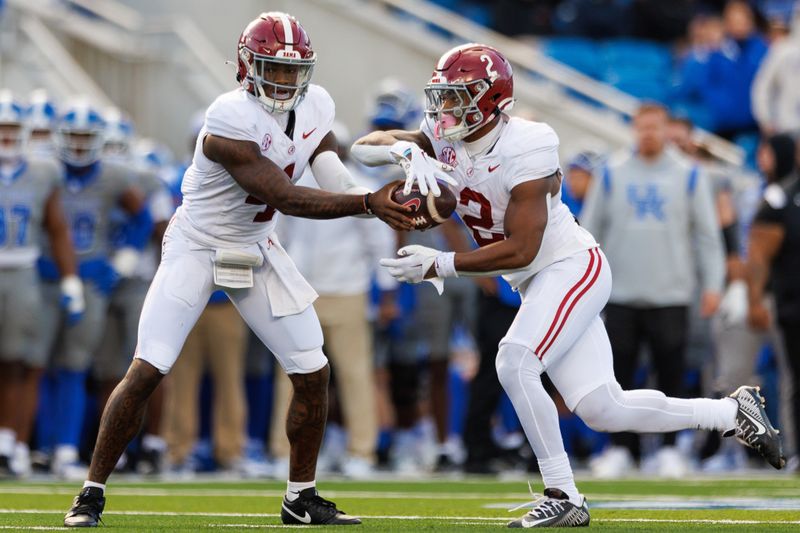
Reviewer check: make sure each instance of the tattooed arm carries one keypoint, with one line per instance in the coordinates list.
(266, 181)
(524, 224)
(765, 242)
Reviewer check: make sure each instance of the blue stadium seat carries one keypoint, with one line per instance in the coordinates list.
(639, 81)
(646, 55)
(578, 53)
(643, 88)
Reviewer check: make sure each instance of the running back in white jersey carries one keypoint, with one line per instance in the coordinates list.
(524, 151)
(216, 211)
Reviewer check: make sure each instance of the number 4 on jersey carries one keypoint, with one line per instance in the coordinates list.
(269, 212)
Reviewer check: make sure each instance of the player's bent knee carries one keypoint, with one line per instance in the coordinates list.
(508, 364)
(601, 410)
(162, 357)
(305, 361)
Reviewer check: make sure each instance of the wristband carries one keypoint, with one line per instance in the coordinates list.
(367, 208)
(446, 265)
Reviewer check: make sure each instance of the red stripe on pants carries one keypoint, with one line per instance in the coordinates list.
(575, 301)
(564, 302)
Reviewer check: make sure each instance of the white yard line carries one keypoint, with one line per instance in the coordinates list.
(698, 521)
(254, 493)
(480, 519)
(245, 493)
(34, 528)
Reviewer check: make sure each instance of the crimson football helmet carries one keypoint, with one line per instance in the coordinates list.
(275, 61)
(471, 84)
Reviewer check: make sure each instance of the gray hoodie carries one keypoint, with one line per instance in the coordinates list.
(649, 217)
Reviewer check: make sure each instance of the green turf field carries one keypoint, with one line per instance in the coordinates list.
(760, 504)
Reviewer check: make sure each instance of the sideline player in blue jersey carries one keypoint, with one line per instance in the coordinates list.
(30, 202)
(92, 188)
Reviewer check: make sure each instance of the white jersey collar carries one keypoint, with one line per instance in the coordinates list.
(481, 146)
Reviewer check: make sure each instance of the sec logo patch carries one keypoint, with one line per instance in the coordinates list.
(266, 142)
(448, 156)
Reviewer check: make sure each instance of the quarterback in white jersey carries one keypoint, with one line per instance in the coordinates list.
(507, 179)
(255, 142)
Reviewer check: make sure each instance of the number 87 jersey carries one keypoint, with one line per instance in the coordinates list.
(522, 151)
(24, 191)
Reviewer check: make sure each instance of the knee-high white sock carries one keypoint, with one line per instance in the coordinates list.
(520, 371)
(715, 414)
(557, 473)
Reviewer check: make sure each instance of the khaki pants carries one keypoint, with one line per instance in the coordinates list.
(738, 346)
(348, 343)
(217, 340)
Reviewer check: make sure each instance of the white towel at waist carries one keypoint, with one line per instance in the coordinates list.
(289, 292)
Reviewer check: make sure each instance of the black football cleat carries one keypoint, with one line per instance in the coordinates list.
(753, 428)
(311, 508)
(87, 508)
(553, 510)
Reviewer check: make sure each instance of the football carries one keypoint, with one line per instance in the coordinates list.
(428, 211)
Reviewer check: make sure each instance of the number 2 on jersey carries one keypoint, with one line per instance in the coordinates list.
(269, 212)
(483, 223)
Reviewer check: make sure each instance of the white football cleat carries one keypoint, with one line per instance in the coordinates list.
(553, 509)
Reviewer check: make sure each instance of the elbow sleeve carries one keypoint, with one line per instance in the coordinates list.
(372, 155)
(333, 176)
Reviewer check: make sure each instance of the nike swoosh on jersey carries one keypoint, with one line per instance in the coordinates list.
(304, 519)
(492, 169)
(306, 135)
(759, 426)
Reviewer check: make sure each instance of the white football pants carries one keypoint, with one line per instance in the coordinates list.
(558, 330)
(180, 291)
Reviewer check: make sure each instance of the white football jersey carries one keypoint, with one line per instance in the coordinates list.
(216, 211)
(524, 151)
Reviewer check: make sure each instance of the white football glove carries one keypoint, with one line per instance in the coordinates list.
(734, 304)
(72, 298)
(420, 168)
(125, 261)
(413, 263)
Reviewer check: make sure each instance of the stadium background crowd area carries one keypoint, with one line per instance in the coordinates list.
(414, 383)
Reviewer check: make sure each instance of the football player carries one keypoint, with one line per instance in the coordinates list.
(92, 189)
(30, 201)
(39, 121)
(256, 141)
(136, 269)
(508, 185)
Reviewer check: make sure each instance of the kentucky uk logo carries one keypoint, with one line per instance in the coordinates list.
(646, 200)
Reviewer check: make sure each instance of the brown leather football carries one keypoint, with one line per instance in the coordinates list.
(428, 211)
